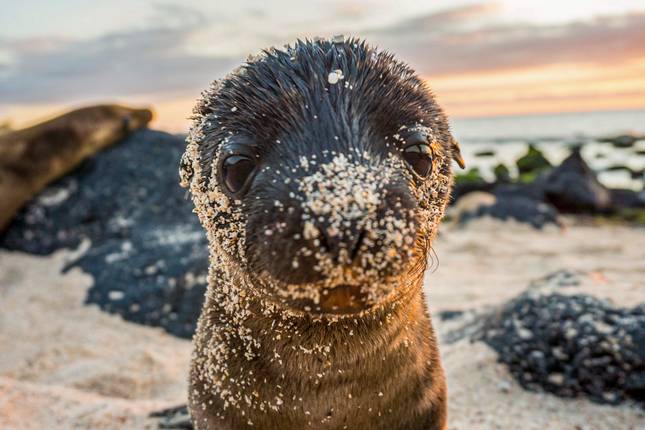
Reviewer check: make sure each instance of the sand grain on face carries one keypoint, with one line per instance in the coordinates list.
(347, 195)
(335, 76)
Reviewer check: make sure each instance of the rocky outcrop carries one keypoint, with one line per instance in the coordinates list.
(627, 199)
(621, 141)
(468, 182)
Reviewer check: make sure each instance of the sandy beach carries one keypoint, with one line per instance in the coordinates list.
(296, 158)
(488, 263)
(68, 365)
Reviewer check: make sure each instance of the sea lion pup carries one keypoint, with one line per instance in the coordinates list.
(320, 172)
(33, 157)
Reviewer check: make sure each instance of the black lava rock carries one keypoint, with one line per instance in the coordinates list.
(468, 182)
(176, 418)
(148, 254)
(531, 190)
(485, 153)
(507, 206)
(521, 209)
(448, 315)
(623, 198)
(572, 345)
(622, 141)
(573, 187)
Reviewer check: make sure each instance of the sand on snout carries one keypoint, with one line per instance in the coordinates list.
(67, 365)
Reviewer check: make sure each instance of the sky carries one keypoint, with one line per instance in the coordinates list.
(508, 57)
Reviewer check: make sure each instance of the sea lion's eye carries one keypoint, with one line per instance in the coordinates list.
(236, 170)
(419, 157)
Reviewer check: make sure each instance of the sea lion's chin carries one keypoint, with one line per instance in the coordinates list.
(343, 299)
(333, 299)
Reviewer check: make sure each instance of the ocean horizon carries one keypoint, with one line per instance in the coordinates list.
(563, 126)
(508, 137)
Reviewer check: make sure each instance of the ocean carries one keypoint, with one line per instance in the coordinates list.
(554, 134)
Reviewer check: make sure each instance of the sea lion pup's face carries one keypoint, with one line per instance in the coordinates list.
(320, 172)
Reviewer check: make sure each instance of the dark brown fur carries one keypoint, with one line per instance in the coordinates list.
(262, 361)
(375, 359)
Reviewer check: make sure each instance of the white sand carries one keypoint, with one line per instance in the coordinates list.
(490, 262)
(67, 365)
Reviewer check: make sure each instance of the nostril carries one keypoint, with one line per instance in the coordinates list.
(353, 252)
(342, 248)
(324, 242)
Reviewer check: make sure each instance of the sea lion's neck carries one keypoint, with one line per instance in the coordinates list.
(257, 358)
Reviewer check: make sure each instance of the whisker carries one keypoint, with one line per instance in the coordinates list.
(434, 259)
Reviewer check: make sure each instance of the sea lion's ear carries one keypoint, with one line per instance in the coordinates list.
(456, 153)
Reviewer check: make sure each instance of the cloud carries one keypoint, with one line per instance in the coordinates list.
(439, 22)
(137, 62)
(444, 43)
(181, 51)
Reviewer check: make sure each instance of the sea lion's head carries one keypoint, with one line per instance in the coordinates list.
(320, 172)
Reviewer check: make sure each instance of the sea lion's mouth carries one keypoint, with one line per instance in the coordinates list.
(331, 299)
(343, 298)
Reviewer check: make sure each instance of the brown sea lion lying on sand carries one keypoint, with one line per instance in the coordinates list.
(33, 157)
(320, 173)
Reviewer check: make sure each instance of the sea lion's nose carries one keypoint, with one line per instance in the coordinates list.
(355, 246)
(342, 246)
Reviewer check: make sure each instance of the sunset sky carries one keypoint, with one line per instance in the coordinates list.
(480, 58)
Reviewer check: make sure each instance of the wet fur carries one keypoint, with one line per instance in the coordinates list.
(377, 369)
(375, 361)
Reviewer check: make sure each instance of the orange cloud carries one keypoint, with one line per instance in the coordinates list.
(555, 88)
